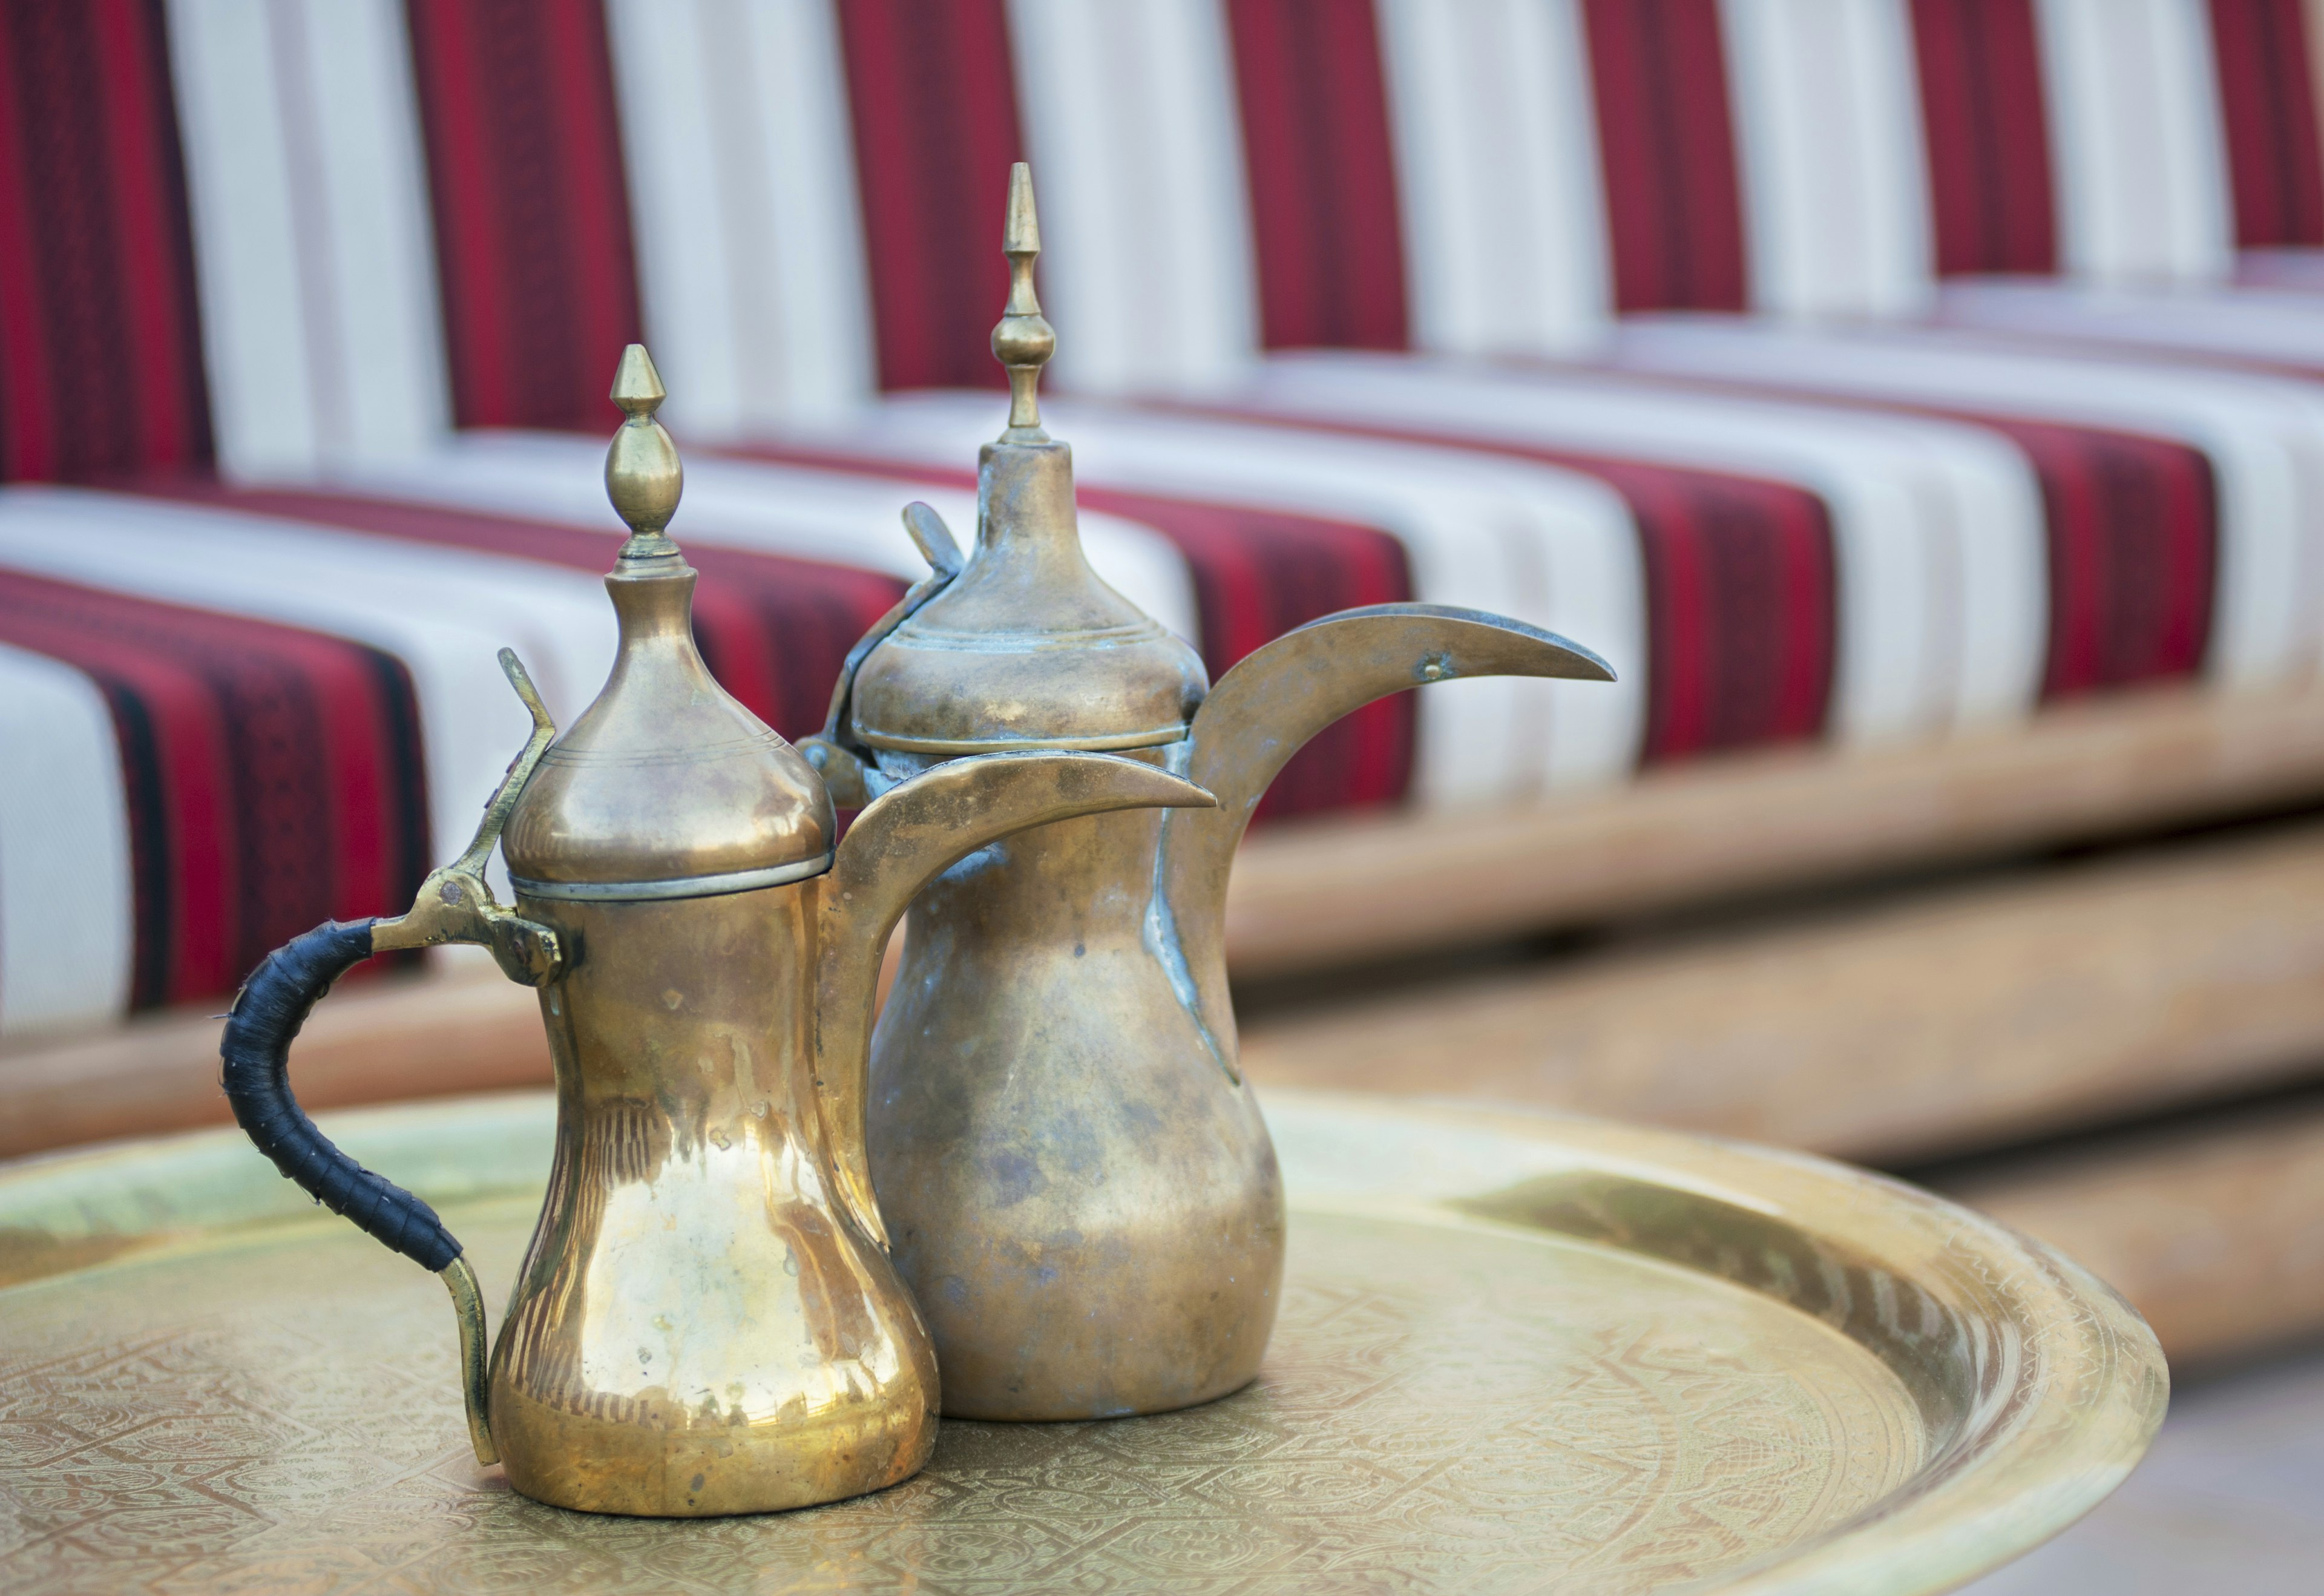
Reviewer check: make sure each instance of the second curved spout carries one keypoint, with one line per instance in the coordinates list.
(1265, 709)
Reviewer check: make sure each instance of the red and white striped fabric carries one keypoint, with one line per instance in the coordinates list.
(1333, 162)
(1806, 137)
(2162, 155)
(321, 303)
(382, 251)
(1745, 169)
(1152, 275)
(732, 121)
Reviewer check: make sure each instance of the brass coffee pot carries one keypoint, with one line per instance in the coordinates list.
(705, 1321)
(1080, 1187)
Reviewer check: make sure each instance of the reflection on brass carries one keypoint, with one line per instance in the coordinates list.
(706, 1322)
(1515, 1353)
(1080, 1188)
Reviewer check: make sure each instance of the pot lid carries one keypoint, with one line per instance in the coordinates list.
(666, 787)
(1027, 647)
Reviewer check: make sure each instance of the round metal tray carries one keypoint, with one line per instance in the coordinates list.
(1515, 1353)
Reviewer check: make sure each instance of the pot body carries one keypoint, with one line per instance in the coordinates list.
(699, 1327)
(1084, 1202)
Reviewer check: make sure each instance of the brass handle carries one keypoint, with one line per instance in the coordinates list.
(255, 1053)
(454, 905)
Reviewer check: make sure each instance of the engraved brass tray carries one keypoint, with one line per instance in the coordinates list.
(1515, 1353)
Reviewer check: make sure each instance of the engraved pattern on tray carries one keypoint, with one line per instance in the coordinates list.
(1445, 1408)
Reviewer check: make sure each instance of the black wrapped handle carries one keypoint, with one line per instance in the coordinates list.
(272, 1005)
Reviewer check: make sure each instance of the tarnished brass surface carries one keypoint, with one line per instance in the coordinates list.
(1081, 1192)
(455, 904)
(664, 786)
(706, 1322)
(1515, 1353)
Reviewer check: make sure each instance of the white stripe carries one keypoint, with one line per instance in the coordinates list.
(1834, 181)
(2257, 324)
(1937, 526)
(1135, 144)
(2135, 134)
(443, 612)
(1497, 167)
(245, 237)
(2265, 437)
(1554, 547)
(315, 264)
(750, 245)
(68, 927)
(392, 388)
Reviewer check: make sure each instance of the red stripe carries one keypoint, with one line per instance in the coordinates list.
(1256, 574)
(100, 362)
(1987, 136)
(1740, 593)
(2131, 523)
(1666, 145)
(933, 100)
(2268, 103)
(533, 216)
(27, 413)
(1321, 171)
(2132, 532)
(774, 629)
(268, 788)
(171, 728)
(149, 227)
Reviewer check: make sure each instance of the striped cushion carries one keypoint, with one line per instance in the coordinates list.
(2128, 142)
(410, 216)
(1119, 82)
(269, 777)
(1689, 252)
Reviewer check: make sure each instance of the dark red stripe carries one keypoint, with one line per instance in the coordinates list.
(100, 348)
(1322, 172)
(1740, 593)
(1666, 145)
(532, 217)
(1741, 606)
(1256, 574)
(273, 775)
(2131, 522)
(774, 631)
(2267, 101)
(933, 100)
(2132, 545)
(1987, 136)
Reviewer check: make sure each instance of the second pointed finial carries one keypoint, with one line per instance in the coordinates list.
(1024, 340)
(643, 477)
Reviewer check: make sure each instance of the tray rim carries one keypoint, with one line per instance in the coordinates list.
(2086, 1383)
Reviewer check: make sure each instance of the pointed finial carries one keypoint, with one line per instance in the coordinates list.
(1023, 342)
(643, 477)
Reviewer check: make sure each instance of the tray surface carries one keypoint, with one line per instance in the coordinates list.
(1514, 1354)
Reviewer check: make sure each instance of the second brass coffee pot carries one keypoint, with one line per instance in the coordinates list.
(705, 1321)
(1078, 1183)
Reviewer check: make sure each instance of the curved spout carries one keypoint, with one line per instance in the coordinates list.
(898, 844)
(1265, 709)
